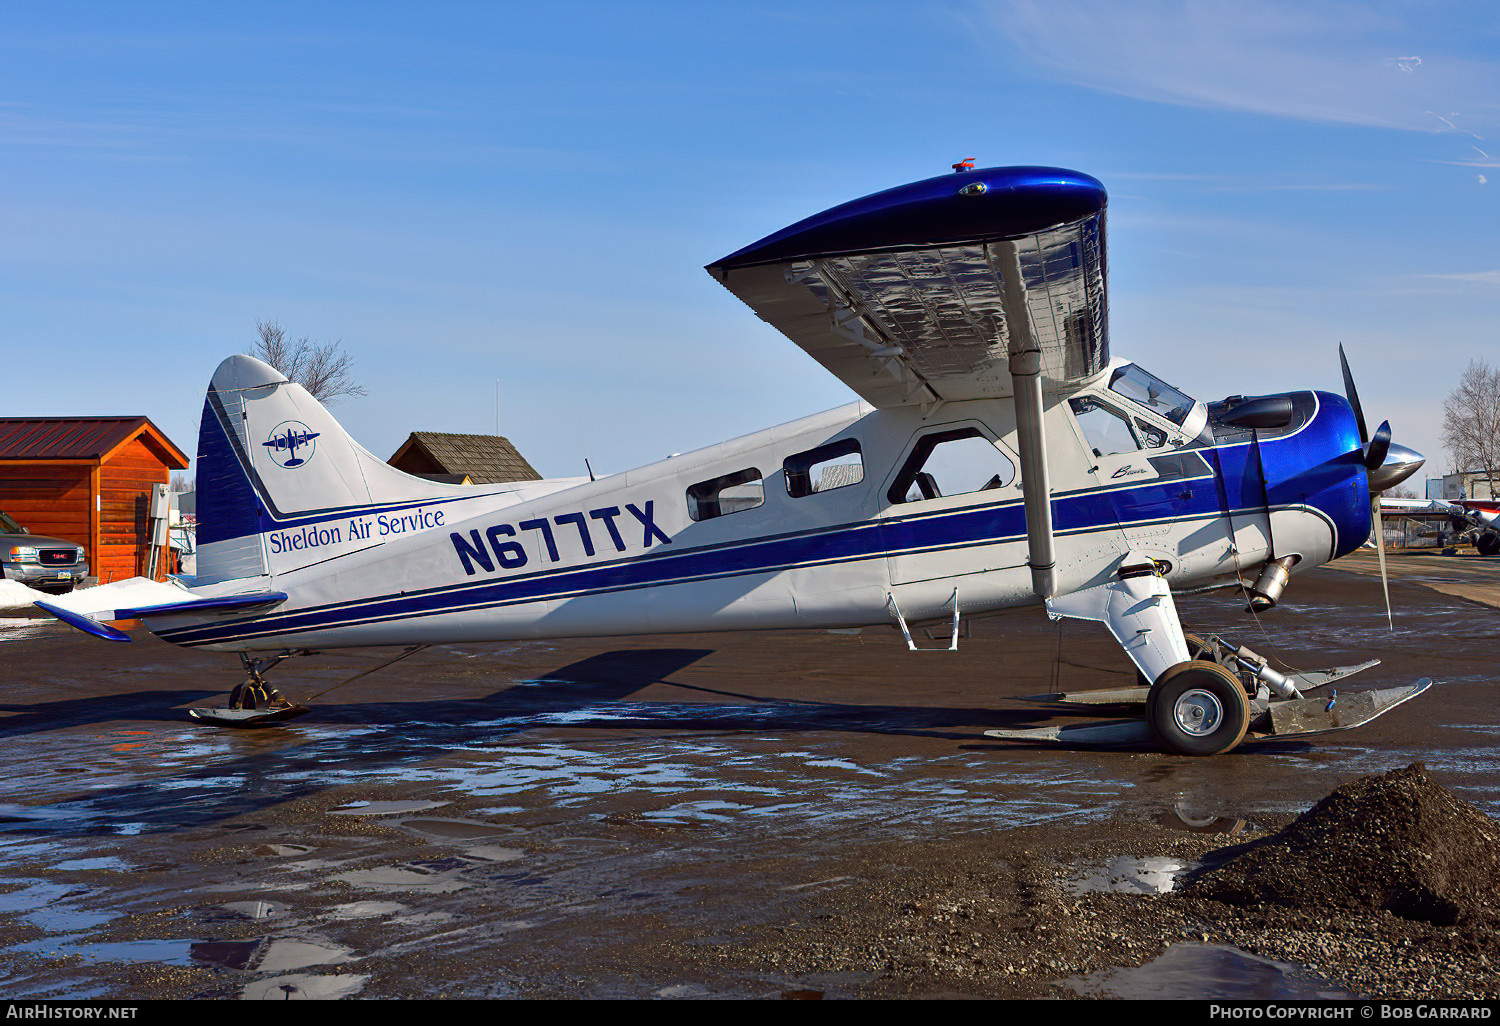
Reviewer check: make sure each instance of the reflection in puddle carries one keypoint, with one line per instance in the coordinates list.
(300, 987)
(366, 909)
(61, 919)
(1198, 972)
(283, 954)
(490, 853)
(262, 954)
(169, 952)
(458, 829)
(404, 878)
(1153, 875)
(226, 954)
(36, 894)
(255, 909)
(1179, 818)
(83, 865)
(383, 808)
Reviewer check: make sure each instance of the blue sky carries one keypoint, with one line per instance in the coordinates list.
(467, 193)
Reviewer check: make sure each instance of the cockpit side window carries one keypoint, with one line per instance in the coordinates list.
(953, 462)
(1152, 393)
(1107, 432)
(1151, 436)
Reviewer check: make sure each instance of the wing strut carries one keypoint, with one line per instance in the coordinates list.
(1026, 372)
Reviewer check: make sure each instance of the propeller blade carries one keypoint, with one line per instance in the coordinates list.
(1353, 396)
(1379, 446)
(1380, 550)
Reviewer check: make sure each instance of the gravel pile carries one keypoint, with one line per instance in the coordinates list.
(1396, 842)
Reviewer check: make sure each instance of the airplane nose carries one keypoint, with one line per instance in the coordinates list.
(1399, 464)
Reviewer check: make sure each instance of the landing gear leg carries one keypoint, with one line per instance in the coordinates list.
(1194, 706)
(255, 692)
(254, 702)
(1202, 696)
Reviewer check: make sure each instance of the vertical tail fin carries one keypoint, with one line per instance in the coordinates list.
(270, 457)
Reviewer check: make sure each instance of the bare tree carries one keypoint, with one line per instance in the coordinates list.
(1471, 422)
(323, 368)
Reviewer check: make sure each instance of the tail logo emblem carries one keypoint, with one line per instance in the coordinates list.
(287, 439)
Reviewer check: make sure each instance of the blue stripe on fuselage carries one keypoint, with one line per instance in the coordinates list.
(1332, 486)
(968, 527)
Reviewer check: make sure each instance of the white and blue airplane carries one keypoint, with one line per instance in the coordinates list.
(997, 456)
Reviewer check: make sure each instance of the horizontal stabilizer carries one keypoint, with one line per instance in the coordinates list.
(83, 623)
(90, 609)
(227, 602)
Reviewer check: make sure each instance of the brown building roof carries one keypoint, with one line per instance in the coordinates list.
(485, 459)
(81, 438)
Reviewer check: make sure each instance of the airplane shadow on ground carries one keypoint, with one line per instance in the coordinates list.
(589, 695)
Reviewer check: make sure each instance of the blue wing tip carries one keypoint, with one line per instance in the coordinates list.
(83, 623)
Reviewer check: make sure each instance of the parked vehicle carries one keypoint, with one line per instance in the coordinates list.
(46, 564)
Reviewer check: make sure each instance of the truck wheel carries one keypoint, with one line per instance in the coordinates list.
(1198, 708)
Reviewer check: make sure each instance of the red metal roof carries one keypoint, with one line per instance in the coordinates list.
(70, 438)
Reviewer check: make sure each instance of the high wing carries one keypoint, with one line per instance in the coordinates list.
(921, 294)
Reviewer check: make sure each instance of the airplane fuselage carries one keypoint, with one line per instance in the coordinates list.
(830, 521)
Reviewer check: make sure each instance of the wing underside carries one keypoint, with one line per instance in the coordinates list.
(914, 296)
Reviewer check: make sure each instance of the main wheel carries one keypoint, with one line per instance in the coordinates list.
(1488, 544)
(1198, 708)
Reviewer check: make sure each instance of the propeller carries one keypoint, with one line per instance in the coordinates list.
(1375, 451)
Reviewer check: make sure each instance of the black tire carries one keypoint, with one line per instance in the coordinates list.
(1488, 544)
(1198, 708)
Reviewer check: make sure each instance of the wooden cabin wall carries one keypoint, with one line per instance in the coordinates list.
(125, 482)
(50, 499)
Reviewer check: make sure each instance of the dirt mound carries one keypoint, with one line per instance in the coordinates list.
(1396, 841)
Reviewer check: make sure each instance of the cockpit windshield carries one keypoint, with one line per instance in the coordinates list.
(1151, 392)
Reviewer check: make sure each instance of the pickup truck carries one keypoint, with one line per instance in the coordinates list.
(46, 564)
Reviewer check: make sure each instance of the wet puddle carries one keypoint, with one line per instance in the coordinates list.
(299, 987)
(541, 823)
(384, 808)
(1199, 972)
(261, 954)
(458, 829)
(1128, 876)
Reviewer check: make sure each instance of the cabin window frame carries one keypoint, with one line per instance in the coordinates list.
(704, 499)
(922, 450)
(797, 468)
(1139, 420)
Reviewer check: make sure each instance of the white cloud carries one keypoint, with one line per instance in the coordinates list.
(1328, 63)
(1477, 277)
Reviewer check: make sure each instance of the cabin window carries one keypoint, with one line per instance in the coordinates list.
(1151, 436)
(1151, 392)
(732, 493)
(952, 462)
(836, 465)
(1108, 433)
